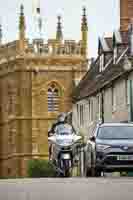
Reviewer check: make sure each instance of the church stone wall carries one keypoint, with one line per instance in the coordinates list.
(27, 69)
(24, 116)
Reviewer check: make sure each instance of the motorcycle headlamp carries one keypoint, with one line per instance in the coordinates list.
(64, 143)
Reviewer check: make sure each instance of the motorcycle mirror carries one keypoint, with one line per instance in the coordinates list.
(51, 139)
(92, 139)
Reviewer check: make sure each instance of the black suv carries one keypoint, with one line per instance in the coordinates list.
(110, 148)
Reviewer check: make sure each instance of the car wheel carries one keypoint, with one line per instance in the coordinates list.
(92, 171)
(97, 172)
(88, 171)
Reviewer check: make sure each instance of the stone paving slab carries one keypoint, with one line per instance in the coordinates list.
(67, 189)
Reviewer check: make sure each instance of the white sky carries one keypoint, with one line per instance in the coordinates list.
(103, 17)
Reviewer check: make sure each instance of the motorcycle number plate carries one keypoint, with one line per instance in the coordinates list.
(66, 156)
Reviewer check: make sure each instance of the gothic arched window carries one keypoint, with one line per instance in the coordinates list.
(53, 98)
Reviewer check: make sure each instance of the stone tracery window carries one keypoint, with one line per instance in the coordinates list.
(53, 98)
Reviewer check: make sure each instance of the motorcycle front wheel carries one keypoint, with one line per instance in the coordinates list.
(67, 168)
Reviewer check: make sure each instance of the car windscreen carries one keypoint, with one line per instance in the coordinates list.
(115, 132)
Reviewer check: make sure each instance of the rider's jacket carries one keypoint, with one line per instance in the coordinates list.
(54, 126)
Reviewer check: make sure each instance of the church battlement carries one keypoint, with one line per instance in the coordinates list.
(42, 48)
(8, 50)
(53, 47)
(57, 46)
(51, 52)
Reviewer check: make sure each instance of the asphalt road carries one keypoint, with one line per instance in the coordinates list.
(67, 189)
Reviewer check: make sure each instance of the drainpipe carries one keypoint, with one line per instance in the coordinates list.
(82, 161)
(102, 106)
(131, 101)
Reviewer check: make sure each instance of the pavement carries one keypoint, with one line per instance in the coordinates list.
(67, 189)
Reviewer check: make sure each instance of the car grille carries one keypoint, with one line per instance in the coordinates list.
(121, 153)
(112, 160)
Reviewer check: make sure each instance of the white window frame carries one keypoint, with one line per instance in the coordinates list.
(91, 114)
(89, 109)
(81, 115)
(78, 114)
(114, 104)
(127, 94)
(99, 106)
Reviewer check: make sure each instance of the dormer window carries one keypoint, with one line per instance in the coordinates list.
(101, 62)
(115, 54)
(117, 40)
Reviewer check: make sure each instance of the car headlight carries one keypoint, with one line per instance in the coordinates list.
(102, 147)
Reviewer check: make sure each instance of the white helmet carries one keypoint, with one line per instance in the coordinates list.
(62, 117)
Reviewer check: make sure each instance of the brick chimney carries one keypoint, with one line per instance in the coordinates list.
(126, 14)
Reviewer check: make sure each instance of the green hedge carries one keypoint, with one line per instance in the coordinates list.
(40, 168)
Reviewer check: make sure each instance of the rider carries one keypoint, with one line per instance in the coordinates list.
(60, 120)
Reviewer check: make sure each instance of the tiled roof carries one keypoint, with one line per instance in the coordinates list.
(94, 80)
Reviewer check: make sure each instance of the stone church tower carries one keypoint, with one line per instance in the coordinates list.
(36, 84)
(126, 13)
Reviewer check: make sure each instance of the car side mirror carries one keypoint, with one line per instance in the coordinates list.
(92, 139)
